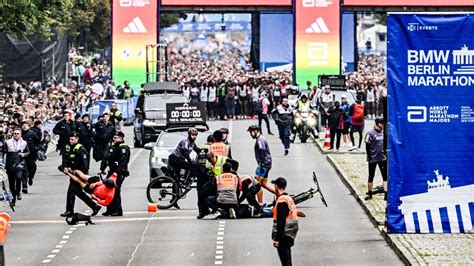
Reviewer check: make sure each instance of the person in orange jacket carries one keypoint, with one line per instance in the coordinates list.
(101, 191)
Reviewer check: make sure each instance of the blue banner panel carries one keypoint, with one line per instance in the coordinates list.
(431, 123)
(209, 26)
(276, 51)
(348, 46)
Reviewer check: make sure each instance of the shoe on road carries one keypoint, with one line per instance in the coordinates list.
(202, 215)
(30, 181)
(116, 214)
(106, 214)
(369, 197)
(25, 190)
(286, 152)
(18, 197)
(66, 214)
(329, 150)
(96, 211)
(300, 214)
(270, 133)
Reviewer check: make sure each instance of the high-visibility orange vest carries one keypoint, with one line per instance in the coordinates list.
(227, 184)
(219, 148)
(242, 178)
(291, 225)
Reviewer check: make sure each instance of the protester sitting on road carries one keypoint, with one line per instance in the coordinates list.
(100, 191)
(227, 186)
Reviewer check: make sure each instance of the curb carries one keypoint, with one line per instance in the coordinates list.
(391, 242)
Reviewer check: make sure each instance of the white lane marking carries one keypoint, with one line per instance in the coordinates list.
(72, 229)
(19, 258)
(65, 237)
(55, 251)
(59, 246)
(219, 259)
(62, 242)
(109, 220)
(69, 232)
(51, 256)
(231, 125)
(192, 254)
(141, 241)
(75, 258)
(46, 261)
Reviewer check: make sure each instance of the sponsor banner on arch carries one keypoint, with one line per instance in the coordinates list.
(431, 123)
(134, 25)
(317, 41)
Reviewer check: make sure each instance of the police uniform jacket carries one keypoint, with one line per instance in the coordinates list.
(76, 157)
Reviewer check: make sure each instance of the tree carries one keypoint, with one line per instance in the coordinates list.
(168, 19)
(381, 18)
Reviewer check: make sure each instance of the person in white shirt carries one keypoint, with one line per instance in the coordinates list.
(211, 100)
(16, 150)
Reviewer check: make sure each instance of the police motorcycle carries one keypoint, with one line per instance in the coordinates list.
(304, 121)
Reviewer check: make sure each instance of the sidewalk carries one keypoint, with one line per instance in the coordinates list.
(415, 249)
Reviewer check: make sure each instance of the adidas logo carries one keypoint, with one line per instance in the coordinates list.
(136, 26)
(319, 26)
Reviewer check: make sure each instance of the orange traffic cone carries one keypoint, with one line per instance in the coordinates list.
(327, 141)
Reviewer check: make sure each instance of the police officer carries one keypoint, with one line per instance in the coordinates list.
(283, 115)
(64, 129)
(117, 160)
(76, 157)
(285, 222)
(86, 132)
(203, 178)
(225, 135)
(104, 130)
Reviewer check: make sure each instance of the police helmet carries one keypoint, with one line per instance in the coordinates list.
(224, 130)
(192, 131)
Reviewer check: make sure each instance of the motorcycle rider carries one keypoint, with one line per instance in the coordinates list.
(283, 116)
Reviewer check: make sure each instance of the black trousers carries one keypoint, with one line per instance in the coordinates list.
(31, 167)
(75, 190)
(284, 253)
(383, 170)
(15, 179)
(251, 197)
(178, 163)
(116, 205)
(203, 187)
(335, 133)
(263, 117)
(214, 205)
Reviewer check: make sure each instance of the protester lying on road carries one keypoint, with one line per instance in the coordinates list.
(100, 191)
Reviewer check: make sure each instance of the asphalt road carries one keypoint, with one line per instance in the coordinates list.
(339, 234)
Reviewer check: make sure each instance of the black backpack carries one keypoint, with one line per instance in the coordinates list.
(259, 106)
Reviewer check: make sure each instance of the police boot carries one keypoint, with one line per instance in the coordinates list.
(369, 195)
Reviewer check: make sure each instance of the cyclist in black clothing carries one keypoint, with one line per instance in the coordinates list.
(180, 157)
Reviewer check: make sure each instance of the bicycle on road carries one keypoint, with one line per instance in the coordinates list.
(5, 194)
(166, 191)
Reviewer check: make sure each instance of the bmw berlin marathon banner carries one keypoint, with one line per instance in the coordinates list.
(431, 123)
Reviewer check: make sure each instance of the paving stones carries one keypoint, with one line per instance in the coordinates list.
(421, 249)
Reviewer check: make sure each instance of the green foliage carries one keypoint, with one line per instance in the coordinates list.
(168, 19)
(47, 17)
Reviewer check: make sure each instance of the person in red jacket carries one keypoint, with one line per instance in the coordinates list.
(101, 191)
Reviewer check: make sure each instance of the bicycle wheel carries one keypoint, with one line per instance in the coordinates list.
(163, 191)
